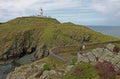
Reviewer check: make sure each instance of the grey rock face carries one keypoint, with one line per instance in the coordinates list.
(91, 57)
(17, 76)
(24, 72)
(118, 66)
(110, 47)
(98, 52)
(53, 72)
(23, 43)
(82, 58)
(47, 74)
(68, 68)
(101, 54)
(42, 51)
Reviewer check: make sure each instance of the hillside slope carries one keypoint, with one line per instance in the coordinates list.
(37, 35)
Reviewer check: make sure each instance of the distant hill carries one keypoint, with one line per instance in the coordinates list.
(32, 34)
(1, 23)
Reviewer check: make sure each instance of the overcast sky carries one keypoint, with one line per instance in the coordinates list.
(86, 12)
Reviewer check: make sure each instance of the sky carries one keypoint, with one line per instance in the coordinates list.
(85, 12)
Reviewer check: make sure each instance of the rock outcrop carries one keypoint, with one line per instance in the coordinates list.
(110, 47)
(101, 54)
(23, 44)
(30, 72)
(47, 74)
(42, 51)
(26, 35)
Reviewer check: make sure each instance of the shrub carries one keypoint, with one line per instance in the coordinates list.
(82, 71)
(106, 70)
(46, 67)
(74, 60)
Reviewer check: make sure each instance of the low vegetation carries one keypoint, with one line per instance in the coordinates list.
(37, 35)
(82, 71)
(106, 70)
(74, 60)
(48, 31)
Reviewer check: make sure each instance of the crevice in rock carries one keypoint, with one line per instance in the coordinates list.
(23, 44)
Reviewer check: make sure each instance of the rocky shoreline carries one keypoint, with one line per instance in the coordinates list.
(93, 56)
(9, 66)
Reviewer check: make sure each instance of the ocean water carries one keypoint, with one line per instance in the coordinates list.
(7, 68)
(108, 30)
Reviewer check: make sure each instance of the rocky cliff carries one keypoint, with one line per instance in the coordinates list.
(52, 68)
(100, 55)
(37, 35)
(23, 43)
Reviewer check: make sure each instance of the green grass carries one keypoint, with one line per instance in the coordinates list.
(46, 67)
(50, 32)
(82, 71)
(74, 60)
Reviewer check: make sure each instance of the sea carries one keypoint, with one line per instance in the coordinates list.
(108, 30)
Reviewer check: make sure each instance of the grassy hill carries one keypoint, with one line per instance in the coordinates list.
(45, 31)
(37, 35)
(17, 27)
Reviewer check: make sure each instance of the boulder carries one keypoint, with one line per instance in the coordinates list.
(68, 68)
(33, 75)
(40, 66)
(82, 58)
(42, 51)
(17, 76)
(25, 71)
(53, 72)
(91, 57)
(110, 47)
(98, 52)
(108, 52)
(117, 67)
(108, 55)
(47, 74)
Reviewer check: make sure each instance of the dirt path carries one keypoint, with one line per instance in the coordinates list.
(55, 51)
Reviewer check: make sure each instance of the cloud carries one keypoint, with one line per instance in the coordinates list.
(99, 10)
(26, 7)
(16, 5)
(60, 4)
(109, 7)
(21, 5)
